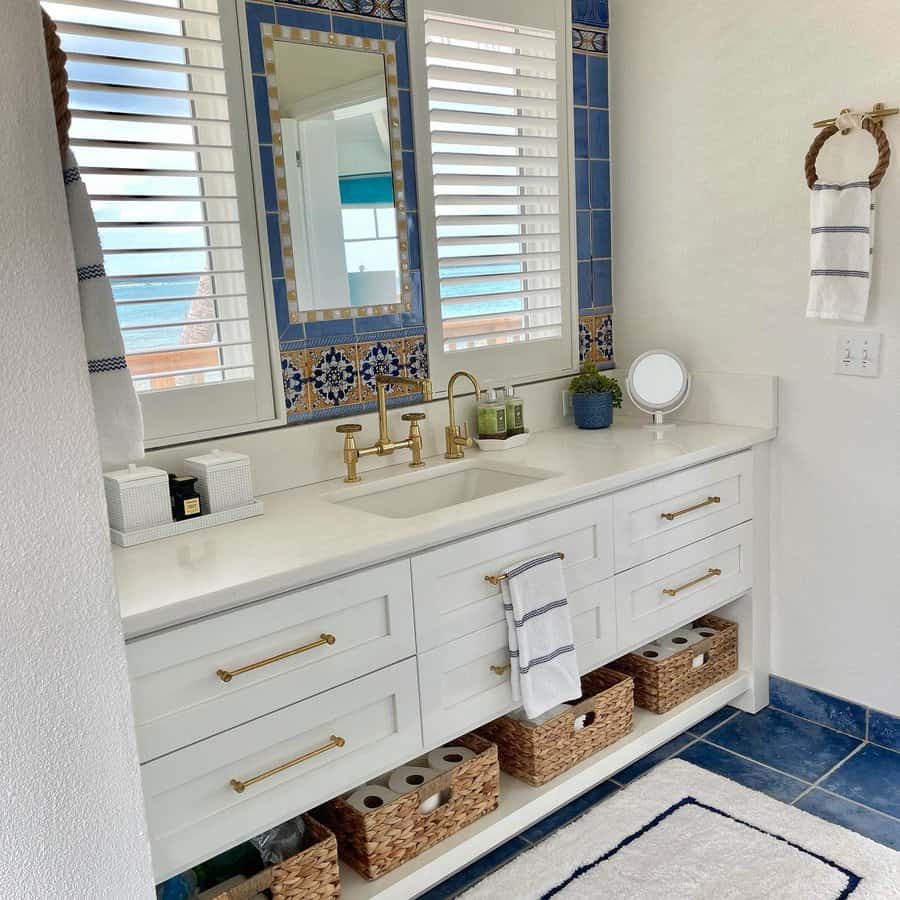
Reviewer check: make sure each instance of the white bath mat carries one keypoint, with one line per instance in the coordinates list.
(682, 833)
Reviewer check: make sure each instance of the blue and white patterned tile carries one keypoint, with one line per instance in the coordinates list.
(598, 81)
(598, 133)
(750, 774)
(600, 190)
(379, 358)
(296, 384)
(714, 721)
(467, 877)
(591, 12)
(571, 811)
(393, 10)
(654, 758)
(579, 79)
(585, 337)
(870, 777)
(415, 357)
(603, 338)
(884, 729)
(784, 742)
(601, 282)
(817, 706)
(334, 376)
(873, 825)
(601, 234)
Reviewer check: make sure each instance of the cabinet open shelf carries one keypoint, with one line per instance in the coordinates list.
(522, 805)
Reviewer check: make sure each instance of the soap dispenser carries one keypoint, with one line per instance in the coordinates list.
(515, 412)
(491, 416)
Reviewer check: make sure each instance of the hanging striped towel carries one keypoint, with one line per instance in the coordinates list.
(116, 406)
(544, 669)
(842, 217)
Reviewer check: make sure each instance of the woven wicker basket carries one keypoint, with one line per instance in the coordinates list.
(661, 685)
(310, 875)
(538, 753)
(376, 842)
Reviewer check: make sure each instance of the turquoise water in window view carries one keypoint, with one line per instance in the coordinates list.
(468, 289)
(153, 313)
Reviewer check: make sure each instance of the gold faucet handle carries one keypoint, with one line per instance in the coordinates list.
(350, 428)
(412, 417)
(351, 452)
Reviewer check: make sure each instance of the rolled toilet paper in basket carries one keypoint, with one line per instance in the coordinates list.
(681, 639)
(445, 758)
(654, 651)
(704, 630)
(371, 796)
(411, 778)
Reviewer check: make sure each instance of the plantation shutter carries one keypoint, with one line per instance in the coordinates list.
(154, 136)
(495, 120)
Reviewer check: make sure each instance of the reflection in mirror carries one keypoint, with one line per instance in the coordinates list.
(337, 133)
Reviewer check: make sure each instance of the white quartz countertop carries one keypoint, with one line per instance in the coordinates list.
(304, 537)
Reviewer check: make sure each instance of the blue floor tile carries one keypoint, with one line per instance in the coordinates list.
(646, 763)
(870, 777)
(567, 813)
(465, 878)
(756, 777)
(884, 730)
(817, 707)
(713, 721)
(871, 824)
(785, 742)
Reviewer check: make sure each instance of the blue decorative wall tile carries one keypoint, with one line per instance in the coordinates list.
(380, 358)
(601, 282)
(579, 79)
(585, 339)
(370, 28)
(583, 234)
(598, 81)
(393, 10)
(584, 285)
(598, 133)
(591, 12)
(281, 314)
(582, 184)
(415, 318)
(884, 729)
(274, 234)
(397, 34)
(296, 384)
(256, 13)
(366, 325)
(330, 329)
(589, 40)
(261, 101)
(406, 121)
(600, 198)
(601, 237)
(412, 232)
(292, 17)
(817, 707)
(581, 132)
(410, 187)
(267, 167)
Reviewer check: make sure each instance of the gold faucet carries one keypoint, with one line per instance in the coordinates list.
(456, 441)
(384, 446)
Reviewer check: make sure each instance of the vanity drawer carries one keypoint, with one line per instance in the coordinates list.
(453, 599)
(460, 690)
(194, 812)
(644, 610)
(179, 697)
(700, 501)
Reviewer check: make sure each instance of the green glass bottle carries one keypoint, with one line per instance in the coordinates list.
(491, 416)
(515, 412)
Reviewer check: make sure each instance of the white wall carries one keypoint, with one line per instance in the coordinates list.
(712, 105)
(72, 820)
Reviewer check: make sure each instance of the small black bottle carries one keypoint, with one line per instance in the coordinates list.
(185, 499)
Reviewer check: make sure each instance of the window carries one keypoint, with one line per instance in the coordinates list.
(494, 134)
(162, 147)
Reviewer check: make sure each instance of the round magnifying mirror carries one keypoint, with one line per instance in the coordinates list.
(658, 383)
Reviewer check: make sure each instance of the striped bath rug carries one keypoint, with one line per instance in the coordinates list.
(682, 833)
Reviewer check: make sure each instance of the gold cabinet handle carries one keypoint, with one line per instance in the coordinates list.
(501, 670)
(707, 502)
(226, 675)
(710, 573)
(240, 786)
(496, 579)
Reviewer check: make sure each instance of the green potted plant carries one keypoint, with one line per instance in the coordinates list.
(593, 397)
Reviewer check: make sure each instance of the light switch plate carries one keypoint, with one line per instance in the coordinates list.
(858, 353)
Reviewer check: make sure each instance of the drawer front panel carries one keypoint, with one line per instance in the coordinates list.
(179, 698)
(460, 691)
(453, 599)
(643, 608)
(642, 531)
(193, 812)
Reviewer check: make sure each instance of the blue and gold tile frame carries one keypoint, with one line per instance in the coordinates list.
(590, 85)
(327, 364)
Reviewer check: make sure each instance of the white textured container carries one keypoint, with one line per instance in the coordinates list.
(223, 480)
(137, 498)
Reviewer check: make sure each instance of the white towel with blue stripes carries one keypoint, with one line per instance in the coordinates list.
(117, 411)
(842, 218)
(544, 668)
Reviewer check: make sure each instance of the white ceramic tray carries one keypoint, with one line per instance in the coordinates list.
(170, 529)
(510, 443)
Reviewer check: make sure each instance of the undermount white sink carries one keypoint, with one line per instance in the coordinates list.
(423, 492)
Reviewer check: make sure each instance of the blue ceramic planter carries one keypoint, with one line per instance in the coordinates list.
(593, 410)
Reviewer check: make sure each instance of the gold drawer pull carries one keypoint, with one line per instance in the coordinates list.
(240, 786)
(496, 579)
(226, 676)
(710, 573)
(707, 502)
(501, 670)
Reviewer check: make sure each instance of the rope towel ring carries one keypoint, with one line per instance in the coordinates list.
(877, 132)
(56, 63)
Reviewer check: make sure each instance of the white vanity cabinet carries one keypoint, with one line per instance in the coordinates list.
(358, 674)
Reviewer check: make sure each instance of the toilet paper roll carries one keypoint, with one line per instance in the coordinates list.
(680, 639)
(655, 652)
(704, 630)
(371, 796)
(445, 758)
(410, 778)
